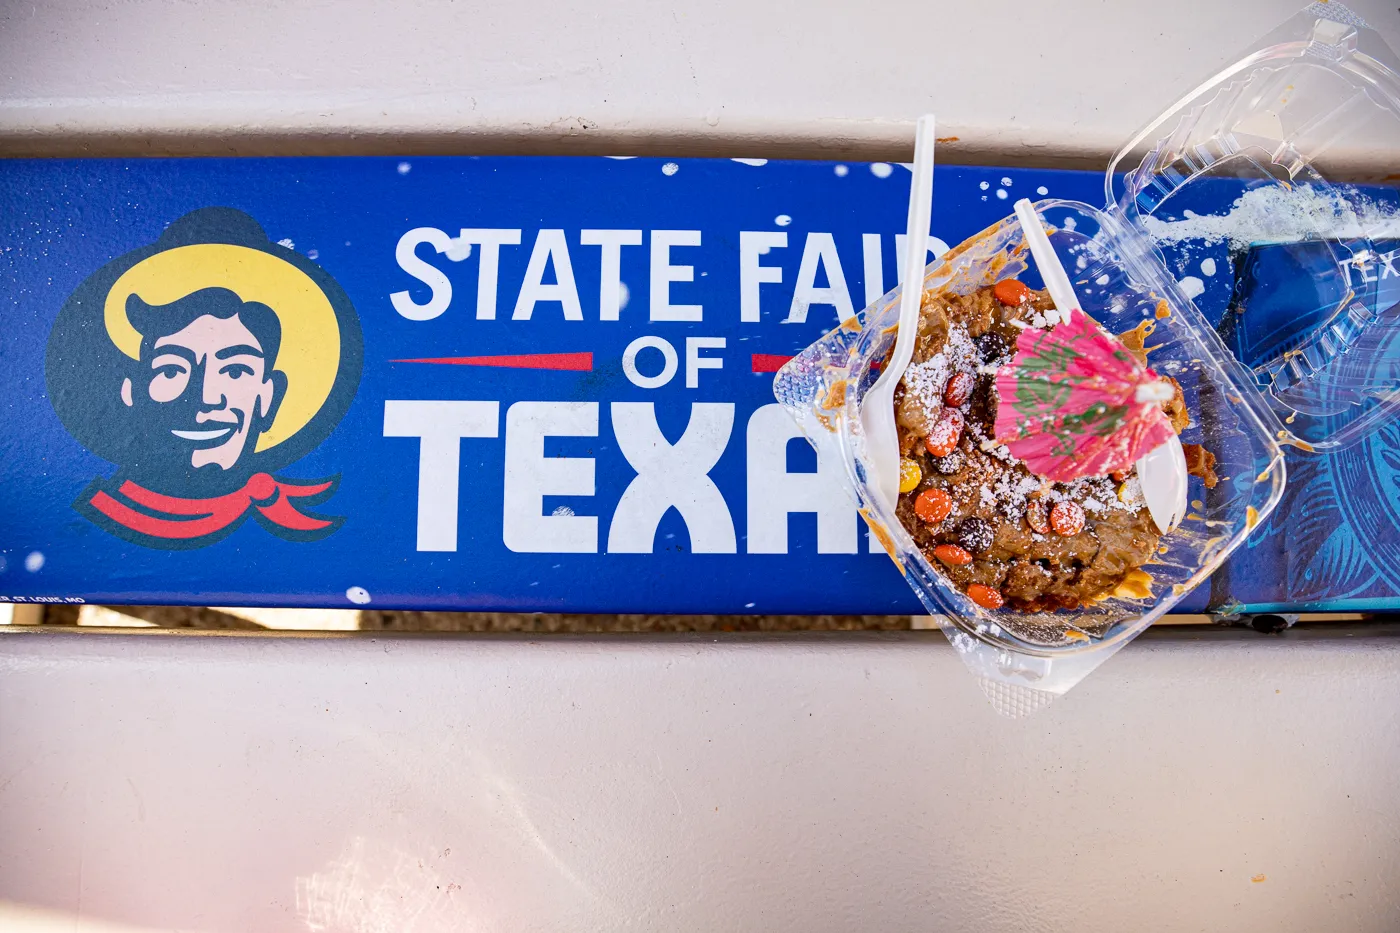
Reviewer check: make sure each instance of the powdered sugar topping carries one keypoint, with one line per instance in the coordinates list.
(927, 380)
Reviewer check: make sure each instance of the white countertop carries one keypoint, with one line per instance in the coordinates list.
(232, 783)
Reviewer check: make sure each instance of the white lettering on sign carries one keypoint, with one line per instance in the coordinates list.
(1359, 266)
(774, 493)
(820, 260)
(439, 427)
(694, 362)
(663, 273)
(668, 476)
(874, 266)
(530, 476)
(610, 266)
(550, 247)
(406, 253)
(668, 367)
(820, 250)
(935, 246)
(672, 476)
(488, 266)
(752, 273)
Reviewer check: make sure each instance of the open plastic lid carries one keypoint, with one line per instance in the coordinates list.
(1293, 134)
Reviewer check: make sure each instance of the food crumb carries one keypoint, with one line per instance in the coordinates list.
(1258, 878)
(1137, 584)
(1201, 462)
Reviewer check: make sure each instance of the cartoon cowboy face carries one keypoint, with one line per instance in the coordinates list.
(204, 387)
(201, 365)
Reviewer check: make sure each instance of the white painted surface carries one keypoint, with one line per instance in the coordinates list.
(230, 783)
(726, 76)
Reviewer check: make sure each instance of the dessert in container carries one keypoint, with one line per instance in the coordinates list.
(1315, 99)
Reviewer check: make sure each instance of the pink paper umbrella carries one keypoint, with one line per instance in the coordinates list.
(1074, 402)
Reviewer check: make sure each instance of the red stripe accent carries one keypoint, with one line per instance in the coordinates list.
(579, 362)
(769, 362)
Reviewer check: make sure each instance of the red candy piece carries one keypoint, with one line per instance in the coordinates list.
(1067, 518)
(1037, 516)
(952, 554)
(959, 387)
(946, 433)
(1011, 292)
(933, 505)
(985, 596)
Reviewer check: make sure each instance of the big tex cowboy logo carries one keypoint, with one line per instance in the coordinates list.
(201, 365)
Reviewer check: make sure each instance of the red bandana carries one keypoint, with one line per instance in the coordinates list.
(177, 519)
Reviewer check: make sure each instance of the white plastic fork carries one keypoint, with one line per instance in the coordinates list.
(877, 407)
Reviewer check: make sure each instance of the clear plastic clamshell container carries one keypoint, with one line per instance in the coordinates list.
(1321, 93)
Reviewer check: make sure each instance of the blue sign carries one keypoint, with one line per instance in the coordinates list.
(447, 383)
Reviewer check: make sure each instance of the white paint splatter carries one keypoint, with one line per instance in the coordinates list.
(313, 254)
(1069, 223)
(782, 220)
(357, 595)
(984, 185)
(881, 169)
(1001, 194)
(562, 510)
(34, 562)
(1042, 191)
(750, 605)
(750, 161)
(287, 242)
(460, 249)
(841, 171)
(670, 168)
(1192, 286)
(1276, 215)
(1102, 280)
(405, 168)
(1005, 182)
(1208, 266)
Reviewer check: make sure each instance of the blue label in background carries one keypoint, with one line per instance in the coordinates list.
(530, 384)
(1330, 544)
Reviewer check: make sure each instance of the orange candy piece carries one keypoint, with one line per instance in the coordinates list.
(1037, 516)
(952, 555)
(933, 505)
(1011, 292)
(946, 433)
(1067, 518)
(985, 596)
